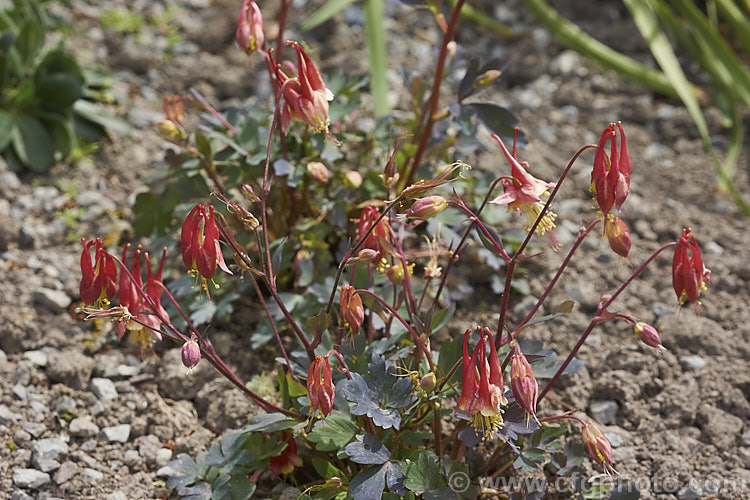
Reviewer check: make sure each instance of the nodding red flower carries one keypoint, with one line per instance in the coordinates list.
(598, 446)
(201, 251)
(482, 400)
(249, 33)
(306, 95)
(610, 178)
(689, 275)
(369, 216)
(352, 311)
(288, 459)
(320, 387)
(98, 279)
(522, 383)
(618, 235)
(524, 192)
(145, 325)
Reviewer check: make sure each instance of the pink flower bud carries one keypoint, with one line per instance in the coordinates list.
(249, 33)
(522, 382)
(618, 235)
(649, 335)
(191, 353)
(426, 207)
(367, 255)
(318, 172)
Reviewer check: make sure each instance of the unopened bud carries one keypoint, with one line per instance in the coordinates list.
(618, 235)
(649, 335)
(427, 382)
(487, 78)
(191, 353)
(247, 191)
(522, 382)
(426, 207)
(352, 179)
(367, 255)
(249, 33)
(170, 131)
(318, 172)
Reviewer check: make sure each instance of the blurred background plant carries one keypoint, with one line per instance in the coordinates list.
(714, 34)
(49, 104)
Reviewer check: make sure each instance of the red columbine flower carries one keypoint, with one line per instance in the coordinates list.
(523, 192)
(352, 311)
(201, 251)
(288, 460)
(146, 329)
(618, 235)
(522, 383)
(249, 33)
(306, 96)
(482, 400)
(98, 280)
(597, 446)
(610, 178)
(689, 276)
(320, 387)
(370, 214)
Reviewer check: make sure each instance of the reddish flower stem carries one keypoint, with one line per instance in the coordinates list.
(512, 263)
(434, 95)
(595, 320)
(414, 334)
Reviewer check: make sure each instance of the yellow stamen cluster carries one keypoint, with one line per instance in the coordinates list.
(486, 425)
(532, 211)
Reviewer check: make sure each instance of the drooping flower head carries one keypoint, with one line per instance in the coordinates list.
(369, 217)
(482, 395)
(617, 234)
(610, 178)
(320, 387)
(689, 275)
(190, 353)
(352, 311)
(598, 446)
(98, 279)
(524, 192)
(201, 252)
(306, 95)
(145, 325)
(249, 33)
(648, 334)
(522, 383)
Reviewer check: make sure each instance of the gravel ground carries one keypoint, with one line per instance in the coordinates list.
(84, 418)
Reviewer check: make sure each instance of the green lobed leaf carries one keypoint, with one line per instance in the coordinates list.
(97, 114)
(496, 118)
(423, 474)
(368, 484)
(333, 433)
(327, 470)
(529, 460)
(270, 422)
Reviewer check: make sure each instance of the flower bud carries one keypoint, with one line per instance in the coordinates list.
(427, 382)
(395, 274)
(170, 131)
(191, 353)
(618, 235)
(522, 382)
(318, 172)
(352, 179)
(649, 335)
(426, 207)
(352, 311)
(249, 33)
(597, 446)
(367, 255)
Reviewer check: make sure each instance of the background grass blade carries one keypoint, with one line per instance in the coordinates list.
(375, 30)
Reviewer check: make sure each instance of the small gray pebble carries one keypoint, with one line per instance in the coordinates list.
(692, 362)
(89, 445)
(66, 471)
(115, 434)
(603, 411)
(104, 389)
(92, 476)
(36, 429)
(54, 300)
(30, 478)
(21, 495)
